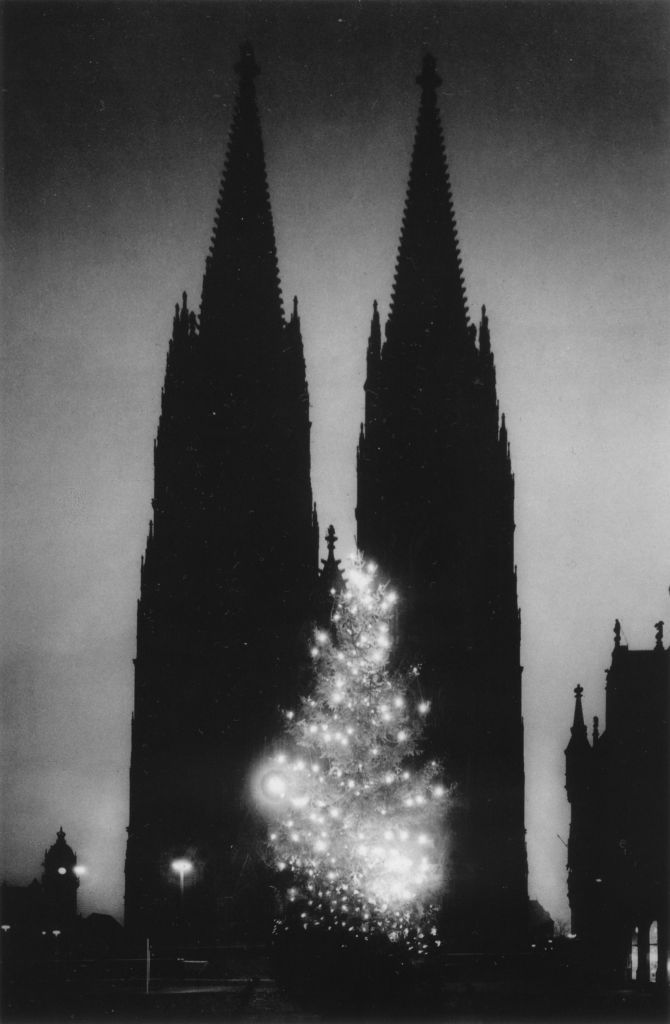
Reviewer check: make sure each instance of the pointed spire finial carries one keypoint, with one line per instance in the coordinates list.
(596, 729)
(374, 341)
(429, 80)
(60, 834)
(484, 336)
(578, 725)
(658, 626)
(332, 580)
(246, 67)
(617, 633)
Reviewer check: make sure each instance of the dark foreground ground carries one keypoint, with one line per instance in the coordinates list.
(250, 985)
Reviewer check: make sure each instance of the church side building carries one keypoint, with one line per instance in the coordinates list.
(436, 512)
(618, 849)
(230, 567)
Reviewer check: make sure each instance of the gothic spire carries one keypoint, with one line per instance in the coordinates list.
(375, 339)
(330, 583)
(241, 294)
(484, 334)
(578, 731)
(428, 284)
(372, 381)
(331, 574)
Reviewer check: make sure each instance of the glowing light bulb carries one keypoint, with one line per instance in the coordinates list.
(273, 785)
(424, 707)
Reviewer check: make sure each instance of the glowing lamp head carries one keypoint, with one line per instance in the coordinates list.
(182, 866)
(62, 871)
(273, 786)
(80, 870)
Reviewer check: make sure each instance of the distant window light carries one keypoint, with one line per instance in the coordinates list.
(633, 956)
(653, 951)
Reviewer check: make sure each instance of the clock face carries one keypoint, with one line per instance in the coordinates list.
(62, 871)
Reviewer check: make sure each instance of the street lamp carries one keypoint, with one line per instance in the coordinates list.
(182, 867)
(80, 870)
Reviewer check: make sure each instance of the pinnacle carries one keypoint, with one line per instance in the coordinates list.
(246, 67)
(428, 273)
(429, 80)
(241, 286)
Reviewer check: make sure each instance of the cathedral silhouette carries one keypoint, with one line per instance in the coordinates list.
(231, 586)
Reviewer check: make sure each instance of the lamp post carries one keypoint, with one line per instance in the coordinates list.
(182, 867)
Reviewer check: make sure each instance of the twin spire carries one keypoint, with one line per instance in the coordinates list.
(242, 264)
(241, 283)
(428, 284)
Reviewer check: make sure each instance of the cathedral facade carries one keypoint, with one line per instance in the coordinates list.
(230, 581)
(436, 511)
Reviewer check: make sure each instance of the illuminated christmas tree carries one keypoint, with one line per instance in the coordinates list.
(356, 821)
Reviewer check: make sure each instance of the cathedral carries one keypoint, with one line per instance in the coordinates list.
(230, 583)
(617, 786)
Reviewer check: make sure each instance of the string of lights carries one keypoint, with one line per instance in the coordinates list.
(356, 825)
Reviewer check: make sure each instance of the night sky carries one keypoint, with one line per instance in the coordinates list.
(115, 121)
